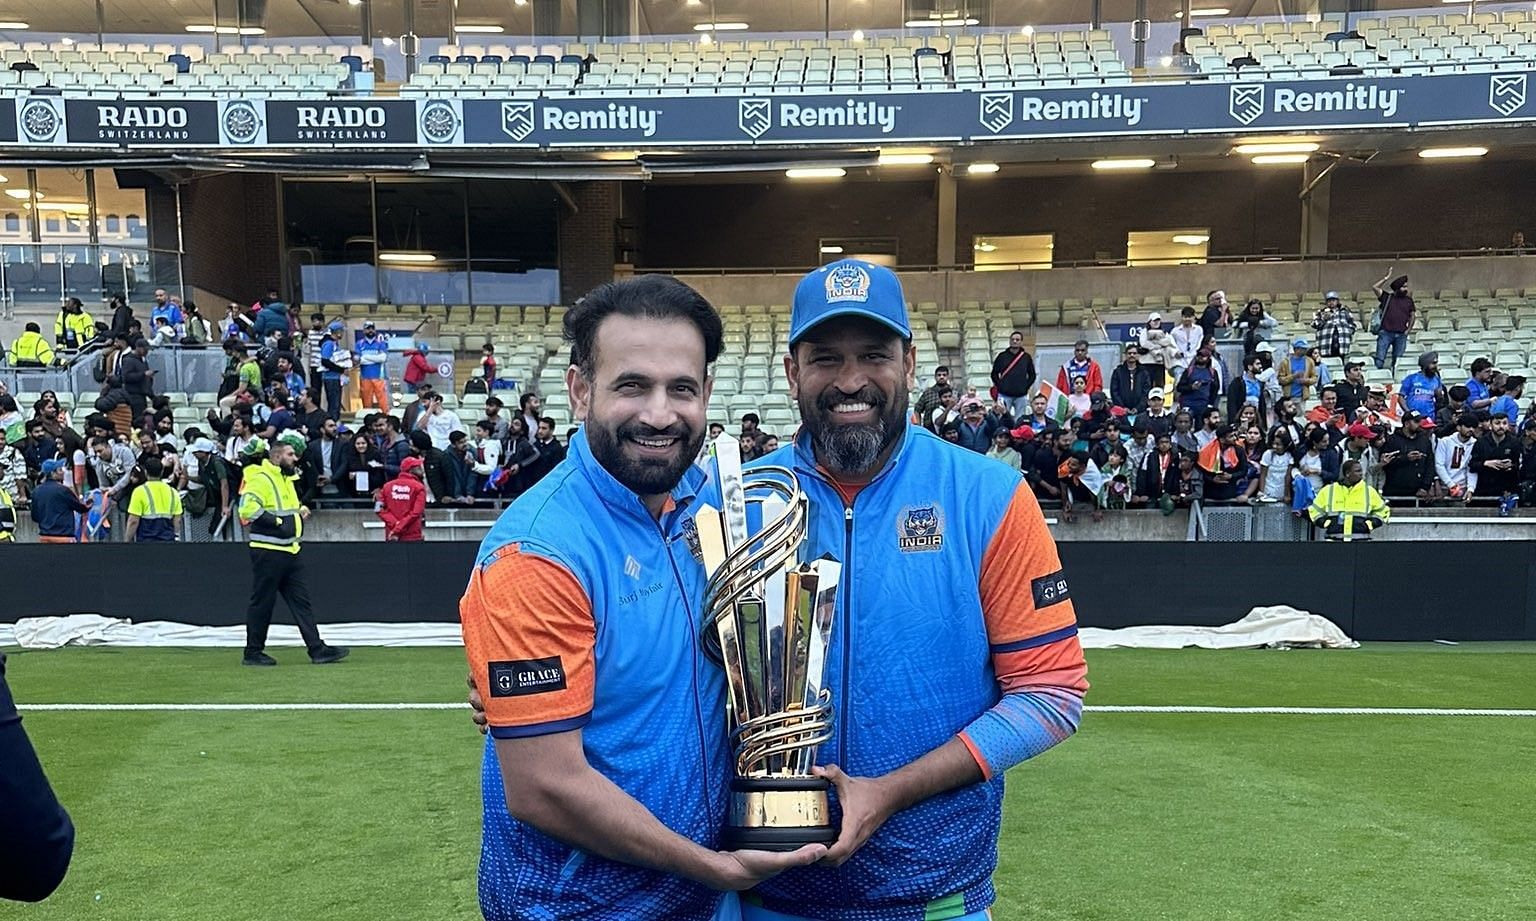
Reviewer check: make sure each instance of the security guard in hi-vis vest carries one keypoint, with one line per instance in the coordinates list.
(7, 518)
(271, 513)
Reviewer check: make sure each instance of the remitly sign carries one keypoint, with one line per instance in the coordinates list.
(323, 122)
(143, 122)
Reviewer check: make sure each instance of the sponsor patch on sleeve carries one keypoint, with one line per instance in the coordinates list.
(1050, 589)
(527, 676)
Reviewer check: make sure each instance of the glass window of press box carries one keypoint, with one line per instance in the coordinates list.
(506, 27)
(77, 233)
(410, 241)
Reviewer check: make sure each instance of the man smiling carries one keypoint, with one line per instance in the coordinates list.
(605, 777)
(955, 652)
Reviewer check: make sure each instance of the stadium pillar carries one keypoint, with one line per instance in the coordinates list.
(1316, 183)
(588, 236)
(948, 247)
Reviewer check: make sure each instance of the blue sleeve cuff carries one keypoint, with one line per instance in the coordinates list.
(1024, 724)
(541, 729)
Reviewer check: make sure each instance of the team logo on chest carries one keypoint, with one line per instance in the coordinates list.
(920, 528)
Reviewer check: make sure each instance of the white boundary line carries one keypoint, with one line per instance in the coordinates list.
(1239, 711)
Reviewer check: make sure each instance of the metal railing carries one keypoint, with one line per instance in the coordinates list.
(46, 273)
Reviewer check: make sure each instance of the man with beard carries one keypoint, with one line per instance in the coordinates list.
(272, 515)
(981, 593)
(606, 771)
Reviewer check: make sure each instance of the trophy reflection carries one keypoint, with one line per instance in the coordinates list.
(770, 623)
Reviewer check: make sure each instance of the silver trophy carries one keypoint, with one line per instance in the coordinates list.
(770, 623)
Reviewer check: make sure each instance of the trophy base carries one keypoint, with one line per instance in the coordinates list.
(778, 814)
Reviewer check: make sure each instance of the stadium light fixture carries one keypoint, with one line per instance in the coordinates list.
(858, 35)
(1451, 153)
(904, 159)
(3, 180)
(705, 39)
(13, 26)
(407, 257)
(1294, 159)
(1277, 147)
(1211, 11)
(1125, 163)
(1192, 239)
(982, 246)
(815, 172)
(21, 194)
(982, 169)
(205, 29)
(354, 2)
(832, 250)
(479, 30)
(387, 42)
(939, 23)
(721, 27)
(1027, 30)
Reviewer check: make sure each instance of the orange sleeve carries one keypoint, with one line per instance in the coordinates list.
(529, 636)
(1027, 603)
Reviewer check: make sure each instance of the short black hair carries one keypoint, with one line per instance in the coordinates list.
(1347, 466)
(486, 424)
(1222, 431)
(34, 328)
(1468, 420)
(1190, 311)
(1329, 388)
(421, 441)
(549, 421)
(1479, 366)
(1460, 393)
(522, 401)
(494, 401)
(153, 468)
(752, 418)
(941, 369)
(317, 316)
(658, 297)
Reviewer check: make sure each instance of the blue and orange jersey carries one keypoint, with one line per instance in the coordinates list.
(954, 619)
(583, 613)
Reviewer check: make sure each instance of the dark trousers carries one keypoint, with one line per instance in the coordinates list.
(332, 398)
(275, 572)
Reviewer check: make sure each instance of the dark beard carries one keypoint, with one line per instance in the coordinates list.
(850, 449)
(643, 477)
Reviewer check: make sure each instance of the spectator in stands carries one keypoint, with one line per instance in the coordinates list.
(493, 408)
(271, 319)
(237, 325)
(1104, 435)
(154, 509)
(947, 412)
(1376, 412)
(1248, 390)
(1528, 466)
(532, 406)
(279, 417)
(1456, 397)
(113, 462)
(1327, 412)
(1396, 309)
(1324, 376)
(403, 503)
(751, 428)
(770, 444)
(216, 476)
(1158, 417)
(1078, 397)
(287, 376)
(1210, 422)
(1187, 338)
(1002, 450)
(362, 470)
(417, 366)
(1189, 481)
(1199, 387)
(1037, 421)
(1517, 244)
(552, 452)
(485, 459)
(1224, 465)
(324, 460)
(929, 398)
(54, 506)
(122, 315)
(1359, 445)
(1217, 315)
(1183, 432)
(1423, 391)
(458, 471)
(335, 365)
(410, 417)
(248, 385)
(373, 376)
(1157, 473)
(1080, 365)
(1049, 460)
(1506, 391)
(1298, 373)
(13, 471)
(30, 349)
(314, 339)
(197, 332)
(1453, 457)
(1275, 469)
(1118, 479)
(1013, 375)
(1335, 326)
(1139, 443)
(1352, 390)
(978, 424)
(310, 417)
(37, 447)
(1496, 462)
(437, 475)
(1479, 384)
(1252, 324)
(1130, 383)
(163, 333)
(1351, 508)
(1079, 478)
(488, 364)
(1162, 355)
(1319, 461)
(73, 328)
(438, 421)
(1409, 459)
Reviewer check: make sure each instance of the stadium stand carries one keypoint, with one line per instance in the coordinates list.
(126, 69)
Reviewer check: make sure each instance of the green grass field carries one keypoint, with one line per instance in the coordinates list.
(373, 815)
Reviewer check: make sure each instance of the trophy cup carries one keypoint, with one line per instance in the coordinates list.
(770, 622)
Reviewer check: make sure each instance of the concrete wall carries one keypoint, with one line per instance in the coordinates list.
(231, 233)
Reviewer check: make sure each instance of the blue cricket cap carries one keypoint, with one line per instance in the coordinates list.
(849, 287)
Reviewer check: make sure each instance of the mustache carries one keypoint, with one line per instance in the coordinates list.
(640, 430)
(833, 397)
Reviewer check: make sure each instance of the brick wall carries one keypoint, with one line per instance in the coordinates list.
(780, 223)
(232, 238)
(587, 237)
(1424, 206)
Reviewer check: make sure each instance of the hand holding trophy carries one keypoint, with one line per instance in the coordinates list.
(770, 623)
